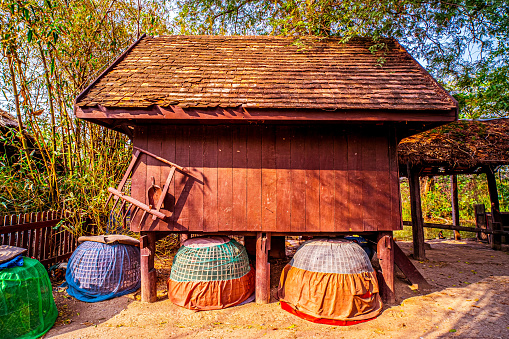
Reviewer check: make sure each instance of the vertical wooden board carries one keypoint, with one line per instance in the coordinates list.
(283, 183)
(195, 199)
(254, 178)
(73, 242)
(37, 244)
(239, 183)
(355, 181)
(168, 153)
(37, 239)
(395, 223)
(66, 242)
(31, 236)
(47, 242)
(12, 240)
(312, 166)
(383, 203)
(182, 184)
(25, 220)
(298, 179)
(19, 236)
(341, 199)
(139, 175)
(44, 239)
(269, 178)
(154, 144)
(327, 195)
(225, 178)
(210, 216)
(25, 239)
(370, 190)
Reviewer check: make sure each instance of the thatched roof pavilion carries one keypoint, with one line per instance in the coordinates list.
(11, 145)
(7, 120)
(7, 123)
(462, 147)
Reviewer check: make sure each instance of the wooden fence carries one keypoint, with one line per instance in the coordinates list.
(459, 228)
(43, 234)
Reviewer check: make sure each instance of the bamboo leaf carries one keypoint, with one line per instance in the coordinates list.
(52, 66)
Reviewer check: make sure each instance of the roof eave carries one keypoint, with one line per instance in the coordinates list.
(111, 117)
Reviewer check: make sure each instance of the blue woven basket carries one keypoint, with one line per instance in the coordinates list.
(98, 271)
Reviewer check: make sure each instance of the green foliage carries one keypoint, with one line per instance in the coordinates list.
(51, 50)
(436, 200)
(463, 43)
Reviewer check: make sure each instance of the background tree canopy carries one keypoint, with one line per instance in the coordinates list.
(463, 43)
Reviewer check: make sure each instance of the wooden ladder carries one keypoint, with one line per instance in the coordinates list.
(126, 199)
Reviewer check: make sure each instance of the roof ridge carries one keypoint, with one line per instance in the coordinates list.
(212, 36)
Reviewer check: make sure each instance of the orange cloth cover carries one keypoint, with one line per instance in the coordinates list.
(334, 296)
(211, 295)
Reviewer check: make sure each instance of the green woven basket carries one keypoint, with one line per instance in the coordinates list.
(27, 308)
(225, 261)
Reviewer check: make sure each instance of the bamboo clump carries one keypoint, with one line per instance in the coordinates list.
(50, 51)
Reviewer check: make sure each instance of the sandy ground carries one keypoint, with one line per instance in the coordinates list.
(469, 299)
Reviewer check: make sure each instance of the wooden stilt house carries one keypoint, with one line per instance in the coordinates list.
(265, 136)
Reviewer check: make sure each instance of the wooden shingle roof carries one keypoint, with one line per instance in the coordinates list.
(266, 72)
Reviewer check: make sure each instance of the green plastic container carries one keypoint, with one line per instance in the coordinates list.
(27, 308)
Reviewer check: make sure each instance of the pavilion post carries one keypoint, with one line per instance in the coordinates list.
(496, 225)
(492, 187)
(416, 211)
(455, 205)
(495, 206)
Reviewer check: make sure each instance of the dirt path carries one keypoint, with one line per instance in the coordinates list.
(470, 299)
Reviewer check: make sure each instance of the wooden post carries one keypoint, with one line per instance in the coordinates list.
(480, 221)
(416, 211)
(496, 225)
(183, 237)
(492, 190)
(385, 253)
(492, 187)
(455, 205)
(262, 268)
(148, 273)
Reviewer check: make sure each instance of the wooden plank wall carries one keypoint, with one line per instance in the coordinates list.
(315, 178)
(37, 232)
